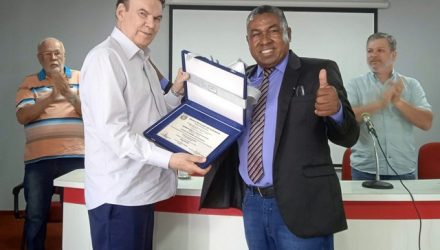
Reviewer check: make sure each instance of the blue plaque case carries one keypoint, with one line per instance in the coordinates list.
(215, 95)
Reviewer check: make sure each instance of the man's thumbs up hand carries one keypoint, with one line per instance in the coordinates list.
(327, 100)
(323, 78)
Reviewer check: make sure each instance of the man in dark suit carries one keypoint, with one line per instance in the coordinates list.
(280, 172)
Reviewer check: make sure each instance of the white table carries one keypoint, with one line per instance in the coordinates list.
(377, 219)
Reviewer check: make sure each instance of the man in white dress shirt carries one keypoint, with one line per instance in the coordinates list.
(121, 97)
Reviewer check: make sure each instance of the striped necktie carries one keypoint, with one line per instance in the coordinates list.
(255, 144)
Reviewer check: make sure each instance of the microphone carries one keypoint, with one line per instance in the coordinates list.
(377, 183)
(367, 119)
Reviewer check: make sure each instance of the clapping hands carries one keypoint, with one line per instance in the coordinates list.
(60, 86)
(394, 92)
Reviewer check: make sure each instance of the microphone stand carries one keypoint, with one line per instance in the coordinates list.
(376, 184)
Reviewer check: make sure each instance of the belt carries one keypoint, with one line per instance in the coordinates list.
(265, 192)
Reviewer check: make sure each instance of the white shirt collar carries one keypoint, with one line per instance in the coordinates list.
(128, 46)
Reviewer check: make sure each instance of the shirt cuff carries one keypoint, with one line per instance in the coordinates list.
(339, 116)
(172, 100)
(161, 157)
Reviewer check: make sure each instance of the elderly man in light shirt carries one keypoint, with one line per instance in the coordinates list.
(125, 173)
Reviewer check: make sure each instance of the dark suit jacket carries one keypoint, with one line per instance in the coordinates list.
(306, 186)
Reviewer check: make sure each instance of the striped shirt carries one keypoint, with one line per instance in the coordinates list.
(58, 132)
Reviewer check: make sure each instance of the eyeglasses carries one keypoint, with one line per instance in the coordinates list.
(55, 53)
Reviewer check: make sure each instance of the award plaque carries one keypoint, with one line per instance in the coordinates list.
(212, 114)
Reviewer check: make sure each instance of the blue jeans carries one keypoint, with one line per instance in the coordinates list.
(266, 230)
(38, 191)
(116, 227)
(359, 175)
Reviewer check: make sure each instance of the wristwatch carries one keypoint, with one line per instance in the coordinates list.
(176, 94)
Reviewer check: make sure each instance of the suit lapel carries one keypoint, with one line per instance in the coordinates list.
(290, 81)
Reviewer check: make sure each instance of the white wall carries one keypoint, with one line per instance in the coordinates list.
(415, 26)
(81, 24)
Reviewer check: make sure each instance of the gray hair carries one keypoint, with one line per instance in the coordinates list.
(272, 10)
(381, 35)
(126, 3)
(42, 42)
